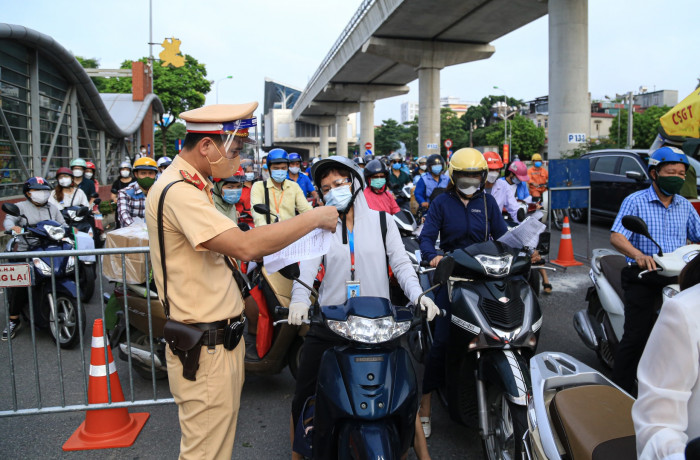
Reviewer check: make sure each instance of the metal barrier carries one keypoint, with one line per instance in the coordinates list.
(42, 381)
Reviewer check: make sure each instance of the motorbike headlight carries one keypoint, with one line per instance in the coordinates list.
(495, 265)
(73, 215)
(56, 233)
(42, 266)
(70, 265)
(368, 330)
(669, 292)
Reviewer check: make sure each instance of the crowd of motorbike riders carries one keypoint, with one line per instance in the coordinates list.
(470, 199)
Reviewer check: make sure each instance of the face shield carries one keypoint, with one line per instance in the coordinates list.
(239, 130)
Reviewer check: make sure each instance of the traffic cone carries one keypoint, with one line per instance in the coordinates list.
(566, 247)
(105, 428)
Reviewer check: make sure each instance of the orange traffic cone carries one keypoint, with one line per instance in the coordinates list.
(105, 428)
(566, 247)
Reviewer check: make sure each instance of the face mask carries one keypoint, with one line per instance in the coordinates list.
(468, 185)
(516, 181)
(40, 196)
(437, 169)
(669, 185)
(423, 167)
(294, 170)
(338, 197)
(78, 172)
(223, 167)
(65, 181)
(143, 151)
(278, 175)
(377, 183)
(231, 196)
(249, 177)
(538, 164)
(146, 182)
(125, 173)
(492, 176)
(396, 165)
(89, 175)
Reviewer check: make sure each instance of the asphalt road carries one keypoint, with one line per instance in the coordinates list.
(263, 423)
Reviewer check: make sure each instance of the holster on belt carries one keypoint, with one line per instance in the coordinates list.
(185, 342)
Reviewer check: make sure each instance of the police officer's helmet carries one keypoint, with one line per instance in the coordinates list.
(35, 183)
(277, 156)
(375, 167)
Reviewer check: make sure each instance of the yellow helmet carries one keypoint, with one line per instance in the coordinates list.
(467, 160)
(537, 157)
(145, 164)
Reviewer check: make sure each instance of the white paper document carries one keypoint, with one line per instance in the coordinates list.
(525, 234)
(314, 244)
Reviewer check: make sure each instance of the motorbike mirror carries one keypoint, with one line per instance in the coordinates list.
(243, 226)
(11, 209)
(97, 201)
(261, 208)
(444, 270)
(82, 211)
(637, 225)
(521, 215)
(95, 195)
(291, 271)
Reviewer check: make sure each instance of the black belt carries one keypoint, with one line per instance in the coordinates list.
(214, 332)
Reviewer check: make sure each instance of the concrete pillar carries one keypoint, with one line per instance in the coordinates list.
(323, 144)
(341, 135)
(366, 124)
(569, 105)
(428, 110)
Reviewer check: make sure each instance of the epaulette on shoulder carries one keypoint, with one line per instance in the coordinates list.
(192, 179)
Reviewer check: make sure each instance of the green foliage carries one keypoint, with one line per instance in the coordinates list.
(452, 127)
(482, 115)
(409, 137)
(645, 127)
(176, 131)
(387, 137)
(526, 139)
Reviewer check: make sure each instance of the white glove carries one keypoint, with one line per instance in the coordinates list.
(427, 305)
(298, 312)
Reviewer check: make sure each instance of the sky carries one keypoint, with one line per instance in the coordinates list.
(632, 43)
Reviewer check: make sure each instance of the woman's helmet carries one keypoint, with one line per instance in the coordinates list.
(78, 162)
(375, 167)
(163, 162)
(276, 156)
(125, 165)
(396, 156)
(537, 157)
(467, 160)
(294, 157)
(493, 160)
(64, 170)
(520, 170)
(422, 160)
(359, 160)
(667, 154)
(90, 165)
(319, 169)
(35, 183)
(145, 164)
(434, 160)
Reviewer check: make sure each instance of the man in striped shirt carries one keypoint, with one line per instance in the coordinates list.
(672, 221)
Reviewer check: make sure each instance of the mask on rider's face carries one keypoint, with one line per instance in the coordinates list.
(492, 176)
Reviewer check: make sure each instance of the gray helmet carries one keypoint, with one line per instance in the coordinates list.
(320, 167)
(395, 156)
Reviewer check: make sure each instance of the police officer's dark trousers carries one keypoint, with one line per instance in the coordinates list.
(642, 301)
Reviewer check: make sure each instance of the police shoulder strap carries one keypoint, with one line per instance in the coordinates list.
(267, 201)
(161, 243)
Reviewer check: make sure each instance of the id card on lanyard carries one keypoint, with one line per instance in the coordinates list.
(352, 286)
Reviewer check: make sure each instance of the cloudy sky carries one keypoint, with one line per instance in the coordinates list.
(632, 43)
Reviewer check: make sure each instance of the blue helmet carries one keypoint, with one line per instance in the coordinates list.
(294, 157)
(277, 156)
(667, 154)
(35, 183)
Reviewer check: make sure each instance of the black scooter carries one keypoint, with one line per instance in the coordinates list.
(494, 331)
(367, 394)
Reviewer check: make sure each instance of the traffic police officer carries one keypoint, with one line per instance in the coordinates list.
(201, 290)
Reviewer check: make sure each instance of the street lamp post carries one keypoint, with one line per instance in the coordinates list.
(505, 117)
(229, 77)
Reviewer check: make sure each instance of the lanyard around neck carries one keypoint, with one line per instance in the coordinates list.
(277, 203)
(351, 243)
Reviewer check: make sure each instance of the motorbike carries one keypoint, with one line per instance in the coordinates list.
(367, 394)
(58, 309)
(495, 325)
(601, 324)
(576, 412)
(84, 239)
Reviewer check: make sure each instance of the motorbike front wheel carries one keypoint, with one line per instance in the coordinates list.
(507, 423)
(65, 319)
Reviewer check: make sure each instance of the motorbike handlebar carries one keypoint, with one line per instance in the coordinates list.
(644, 272)
(425, 263)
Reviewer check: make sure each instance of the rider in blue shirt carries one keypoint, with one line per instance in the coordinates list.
(431, 180)
(294, 174)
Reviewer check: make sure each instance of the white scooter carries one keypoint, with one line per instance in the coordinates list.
(600, 326)
(575, 412)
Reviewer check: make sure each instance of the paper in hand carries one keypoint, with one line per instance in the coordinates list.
(527, 234)
(314, 244)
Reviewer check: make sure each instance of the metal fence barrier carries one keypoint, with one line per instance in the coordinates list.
(44, 384)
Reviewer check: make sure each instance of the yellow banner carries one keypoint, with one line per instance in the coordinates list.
(684, 119)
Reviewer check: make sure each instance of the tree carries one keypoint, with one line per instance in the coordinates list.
(93, 63)
(409, 136)
(176, 131)
(645, 127)
(526, 138)
(452, 127)
(387, 137)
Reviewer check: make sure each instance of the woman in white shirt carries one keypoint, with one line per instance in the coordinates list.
(66, 193)
(667, 413)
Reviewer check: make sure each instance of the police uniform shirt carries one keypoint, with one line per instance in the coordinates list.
(201, 288)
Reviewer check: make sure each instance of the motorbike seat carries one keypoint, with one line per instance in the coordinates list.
(612, 266)
(594, 422)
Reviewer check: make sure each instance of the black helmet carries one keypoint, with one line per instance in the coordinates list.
(375, 167)
(436, 159)
(335, 162)
(359, 160)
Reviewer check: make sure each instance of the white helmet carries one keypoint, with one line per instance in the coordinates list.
(164, 161)
(125, 164)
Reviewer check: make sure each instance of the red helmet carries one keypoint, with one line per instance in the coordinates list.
(90, 165)
(64, 170)
(493, 159)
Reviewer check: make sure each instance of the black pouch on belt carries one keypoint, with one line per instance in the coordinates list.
(185, 341)
(233, 333)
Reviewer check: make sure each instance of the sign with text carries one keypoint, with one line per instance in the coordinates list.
(432, 146)
(577, 138)
(15, 275)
